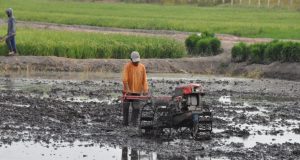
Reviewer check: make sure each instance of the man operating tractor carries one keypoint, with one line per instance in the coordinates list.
(135, 84)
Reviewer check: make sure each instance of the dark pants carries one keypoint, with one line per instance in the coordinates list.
(11, 44)
(133, 156)
(124, 153)
(135, 105)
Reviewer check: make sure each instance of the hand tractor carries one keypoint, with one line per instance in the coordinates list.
(183, 112)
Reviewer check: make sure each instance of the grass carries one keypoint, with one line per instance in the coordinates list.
(39, 42)
(241, 21)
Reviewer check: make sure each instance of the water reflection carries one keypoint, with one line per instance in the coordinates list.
(8, 83)
(124, 153)
(133, 154)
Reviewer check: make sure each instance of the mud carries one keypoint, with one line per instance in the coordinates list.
(46, 118)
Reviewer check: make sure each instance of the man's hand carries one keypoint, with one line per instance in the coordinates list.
(144, 94)
(126, 88)
(2, 38)
(128, 91)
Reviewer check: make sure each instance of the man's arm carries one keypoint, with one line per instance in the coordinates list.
(126, 88)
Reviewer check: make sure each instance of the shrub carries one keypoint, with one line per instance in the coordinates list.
(191, 42)
(291, 52)
(296, 53)
(273, 51)
(203, 44)
(267, 53)
(240, 52)
(207, 34)
(215, 45)
(257, 53)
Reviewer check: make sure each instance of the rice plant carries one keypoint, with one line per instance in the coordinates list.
(81, 45)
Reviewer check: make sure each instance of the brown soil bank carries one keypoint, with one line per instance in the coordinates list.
(204, 65)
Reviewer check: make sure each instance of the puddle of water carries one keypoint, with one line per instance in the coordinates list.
(16, 105)
(62, 75)
(265, 139)
(258, 131)
(101, 75)
(226, 100)
(61, 151)
(77, 151)
(117, 76)
(19, 85)
(285, 136)
(86, 99)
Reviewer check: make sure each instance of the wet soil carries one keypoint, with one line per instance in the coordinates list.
(253, 119)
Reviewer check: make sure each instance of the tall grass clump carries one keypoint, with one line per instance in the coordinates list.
(205, 44)
(257, 53)
(265, 53)
(92, 45)
(240, 52)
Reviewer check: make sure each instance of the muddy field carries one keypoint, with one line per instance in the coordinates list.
(45, 118)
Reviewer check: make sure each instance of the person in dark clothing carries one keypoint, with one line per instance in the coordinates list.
(11, 33)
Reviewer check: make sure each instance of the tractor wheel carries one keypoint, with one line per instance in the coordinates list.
(146, 119)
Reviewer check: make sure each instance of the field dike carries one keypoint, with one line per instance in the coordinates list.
(217, 65)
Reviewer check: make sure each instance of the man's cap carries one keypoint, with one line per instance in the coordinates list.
(135, 56)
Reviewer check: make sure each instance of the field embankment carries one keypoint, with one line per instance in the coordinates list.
(220, 64)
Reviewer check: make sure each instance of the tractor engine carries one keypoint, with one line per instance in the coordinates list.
(188, 96)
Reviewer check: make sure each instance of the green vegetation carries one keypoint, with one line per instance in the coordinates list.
(241, 21)
(240, 52)
(267, 52)
(92, 45)
(204, 44)
(248, 3)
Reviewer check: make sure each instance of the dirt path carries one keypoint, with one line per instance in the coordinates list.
(177, 35)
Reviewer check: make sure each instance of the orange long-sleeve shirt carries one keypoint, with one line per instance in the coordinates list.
(136, 78)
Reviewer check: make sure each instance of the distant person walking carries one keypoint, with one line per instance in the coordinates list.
(11, 33)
